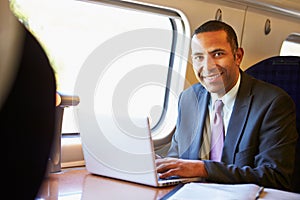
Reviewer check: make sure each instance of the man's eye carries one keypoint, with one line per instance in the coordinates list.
(218, 54)
(197, 58)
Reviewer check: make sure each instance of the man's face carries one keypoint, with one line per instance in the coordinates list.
(215, 64)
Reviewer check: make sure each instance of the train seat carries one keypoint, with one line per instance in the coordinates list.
(27, 117)
(283, 71)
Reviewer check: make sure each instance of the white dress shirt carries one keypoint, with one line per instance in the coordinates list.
(228, 100)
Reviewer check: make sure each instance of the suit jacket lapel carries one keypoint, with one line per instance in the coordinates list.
(238, 119)
(202, 98)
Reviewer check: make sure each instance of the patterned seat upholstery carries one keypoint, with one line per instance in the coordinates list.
(283, 71)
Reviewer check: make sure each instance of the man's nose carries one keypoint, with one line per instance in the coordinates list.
(208, 63)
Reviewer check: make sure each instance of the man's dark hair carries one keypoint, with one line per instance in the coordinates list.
(215, 25)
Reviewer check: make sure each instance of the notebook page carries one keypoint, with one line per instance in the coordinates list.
(191, 191)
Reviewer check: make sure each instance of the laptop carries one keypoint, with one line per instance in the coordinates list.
(122, 149)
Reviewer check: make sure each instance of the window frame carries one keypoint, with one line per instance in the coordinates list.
(285, 50)
(180, 46)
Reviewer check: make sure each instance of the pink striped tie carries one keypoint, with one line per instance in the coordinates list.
(217, 133)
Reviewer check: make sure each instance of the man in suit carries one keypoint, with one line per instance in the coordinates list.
(258, 119)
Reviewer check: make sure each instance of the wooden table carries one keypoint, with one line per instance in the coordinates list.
(77, 183)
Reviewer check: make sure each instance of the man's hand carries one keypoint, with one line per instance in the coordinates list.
(179, 167)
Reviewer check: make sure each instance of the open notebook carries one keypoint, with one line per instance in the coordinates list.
(195, 191)
(123, 149)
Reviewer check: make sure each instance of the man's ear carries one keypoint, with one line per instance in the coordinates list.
(239, 56)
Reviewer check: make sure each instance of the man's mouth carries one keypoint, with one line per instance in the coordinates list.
(212, 76)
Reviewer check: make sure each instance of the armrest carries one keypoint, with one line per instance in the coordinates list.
(63, 100)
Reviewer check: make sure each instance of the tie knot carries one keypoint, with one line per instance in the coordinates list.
(218, 106)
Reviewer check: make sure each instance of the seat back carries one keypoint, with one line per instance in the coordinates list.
(283, 71)
(27, 119)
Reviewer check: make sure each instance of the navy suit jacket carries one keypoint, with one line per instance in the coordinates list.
(261, 137)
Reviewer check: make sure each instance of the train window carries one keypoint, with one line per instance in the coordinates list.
(141, 54)
(291, 46)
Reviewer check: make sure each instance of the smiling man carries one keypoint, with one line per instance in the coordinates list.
(216, 60)
(255, 123)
